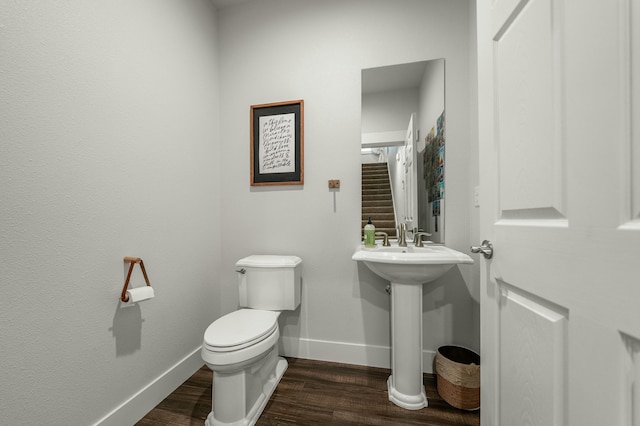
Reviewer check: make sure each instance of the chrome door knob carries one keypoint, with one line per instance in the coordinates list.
(486, 249)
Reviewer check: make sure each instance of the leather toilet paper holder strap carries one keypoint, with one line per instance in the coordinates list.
(132, 261)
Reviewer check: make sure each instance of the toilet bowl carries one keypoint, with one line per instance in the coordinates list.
(242, 347)
(239, 337)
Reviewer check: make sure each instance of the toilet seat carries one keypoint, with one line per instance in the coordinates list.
(240, 336)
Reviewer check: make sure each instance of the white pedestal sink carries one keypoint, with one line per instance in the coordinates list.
(408, 268)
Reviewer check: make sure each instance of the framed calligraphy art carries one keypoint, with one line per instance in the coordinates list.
(277, 143)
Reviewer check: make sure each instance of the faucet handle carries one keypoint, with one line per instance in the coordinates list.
(417, 238)
(385, 238)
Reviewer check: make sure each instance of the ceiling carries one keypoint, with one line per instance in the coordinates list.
(393, 77)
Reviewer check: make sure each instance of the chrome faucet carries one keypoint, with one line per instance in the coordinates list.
(402, 235)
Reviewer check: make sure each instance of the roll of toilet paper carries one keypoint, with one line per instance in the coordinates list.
(139, 294)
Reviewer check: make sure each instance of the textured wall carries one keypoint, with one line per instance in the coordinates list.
(113, 144)
(284, 49)
(109, 147)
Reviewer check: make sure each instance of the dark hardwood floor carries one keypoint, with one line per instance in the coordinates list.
(313, 393)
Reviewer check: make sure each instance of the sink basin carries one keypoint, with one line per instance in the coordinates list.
(407, 268)
(410, 265)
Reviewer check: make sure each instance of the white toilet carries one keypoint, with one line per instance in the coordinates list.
(242, 347)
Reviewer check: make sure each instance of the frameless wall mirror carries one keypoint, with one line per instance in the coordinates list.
(403, 147)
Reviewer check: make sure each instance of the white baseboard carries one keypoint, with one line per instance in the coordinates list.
(135, 408)
(347, 353)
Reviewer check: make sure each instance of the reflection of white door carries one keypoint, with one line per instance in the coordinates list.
(410, 177)
(559, 97)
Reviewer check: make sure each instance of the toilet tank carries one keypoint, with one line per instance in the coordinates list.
(269, 282)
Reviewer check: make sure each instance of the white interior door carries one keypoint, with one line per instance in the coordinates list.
(410, 177)
(559, 99)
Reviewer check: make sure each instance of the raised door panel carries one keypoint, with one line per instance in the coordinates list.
(531, 359)
(529, 132)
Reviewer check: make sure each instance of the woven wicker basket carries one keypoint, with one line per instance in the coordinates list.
(458, 376)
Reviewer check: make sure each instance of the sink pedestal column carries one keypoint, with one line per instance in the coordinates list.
(405, 385)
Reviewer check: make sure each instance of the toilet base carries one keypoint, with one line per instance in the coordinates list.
(262, 379)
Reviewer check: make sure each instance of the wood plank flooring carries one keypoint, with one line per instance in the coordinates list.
(314, 393)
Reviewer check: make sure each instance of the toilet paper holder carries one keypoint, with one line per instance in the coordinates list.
(133, 261)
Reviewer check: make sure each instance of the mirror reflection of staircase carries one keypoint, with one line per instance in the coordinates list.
(377, 201)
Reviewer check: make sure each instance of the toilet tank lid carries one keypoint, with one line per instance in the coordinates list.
(269, 261)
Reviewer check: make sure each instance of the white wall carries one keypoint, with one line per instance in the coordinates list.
(432, 94)
(112, 145)
(109, 147)
(389, 110)
(283, 50)
(473, 280)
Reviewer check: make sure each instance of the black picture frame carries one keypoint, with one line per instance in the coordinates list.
(277, 143)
